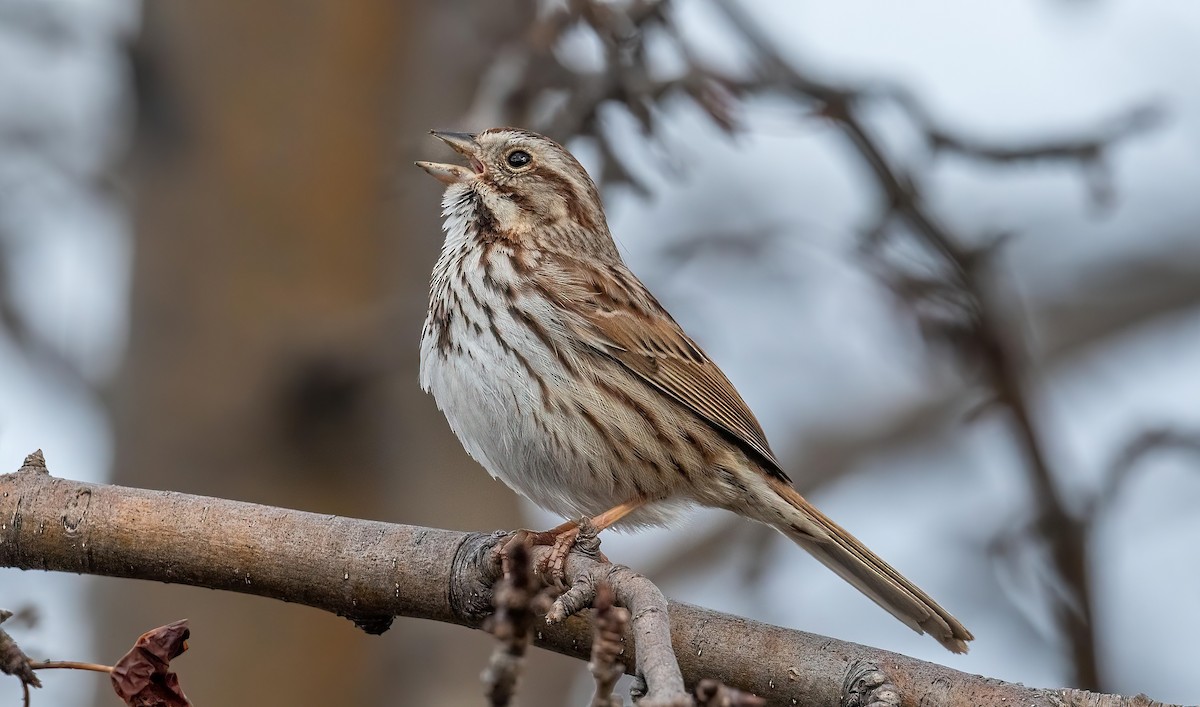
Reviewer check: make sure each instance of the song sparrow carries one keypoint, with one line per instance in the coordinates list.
(564, 377)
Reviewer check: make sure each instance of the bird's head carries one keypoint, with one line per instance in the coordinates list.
(524, 181)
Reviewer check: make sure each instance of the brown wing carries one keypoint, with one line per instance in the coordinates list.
(624, 321)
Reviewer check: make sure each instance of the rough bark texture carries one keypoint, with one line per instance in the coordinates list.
(371, 571)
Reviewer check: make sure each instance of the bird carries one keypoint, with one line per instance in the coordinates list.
(563, 376)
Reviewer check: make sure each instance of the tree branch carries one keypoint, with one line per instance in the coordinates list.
(369, 572)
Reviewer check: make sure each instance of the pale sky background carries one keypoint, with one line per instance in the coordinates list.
(804, 344)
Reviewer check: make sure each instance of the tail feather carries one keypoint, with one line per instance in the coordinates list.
(852, 561)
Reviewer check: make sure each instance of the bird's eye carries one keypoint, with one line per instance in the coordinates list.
(518, 159)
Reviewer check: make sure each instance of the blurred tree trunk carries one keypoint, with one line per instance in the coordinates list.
(265, 362)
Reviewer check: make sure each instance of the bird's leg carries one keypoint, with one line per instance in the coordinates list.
(565, 540)
(548, 537)
(562, 538)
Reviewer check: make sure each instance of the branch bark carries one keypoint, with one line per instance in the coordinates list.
(370, 572)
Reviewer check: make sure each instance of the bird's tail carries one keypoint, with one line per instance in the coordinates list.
(841, 552)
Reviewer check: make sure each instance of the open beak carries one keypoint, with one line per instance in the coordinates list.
(462, 143)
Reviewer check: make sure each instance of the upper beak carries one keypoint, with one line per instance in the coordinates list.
(462, 143)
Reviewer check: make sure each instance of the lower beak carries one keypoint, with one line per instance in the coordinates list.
(462, 143)
(447, 173)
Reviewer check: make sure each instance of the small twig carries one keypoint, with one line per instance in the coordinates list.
(1090, 152)
(514, 598)
(608, 643)
(71, 665)
(1120, 471)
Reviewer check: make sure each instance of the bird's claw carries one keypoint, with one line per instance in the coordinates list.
(584, 536)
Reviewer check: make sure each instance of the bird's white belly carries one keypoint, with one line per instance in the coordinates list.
(493, 405)
(551, 457)
(479, 389)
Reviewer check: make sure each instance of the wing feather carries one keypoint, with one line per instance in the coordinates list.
(618, 317)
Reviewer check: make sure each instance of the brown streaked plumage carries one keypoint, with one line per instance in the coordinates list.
(565, 378)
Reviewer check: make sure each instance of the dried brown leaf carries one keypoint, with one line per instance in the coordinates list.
(13, 660)
(142, 677)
